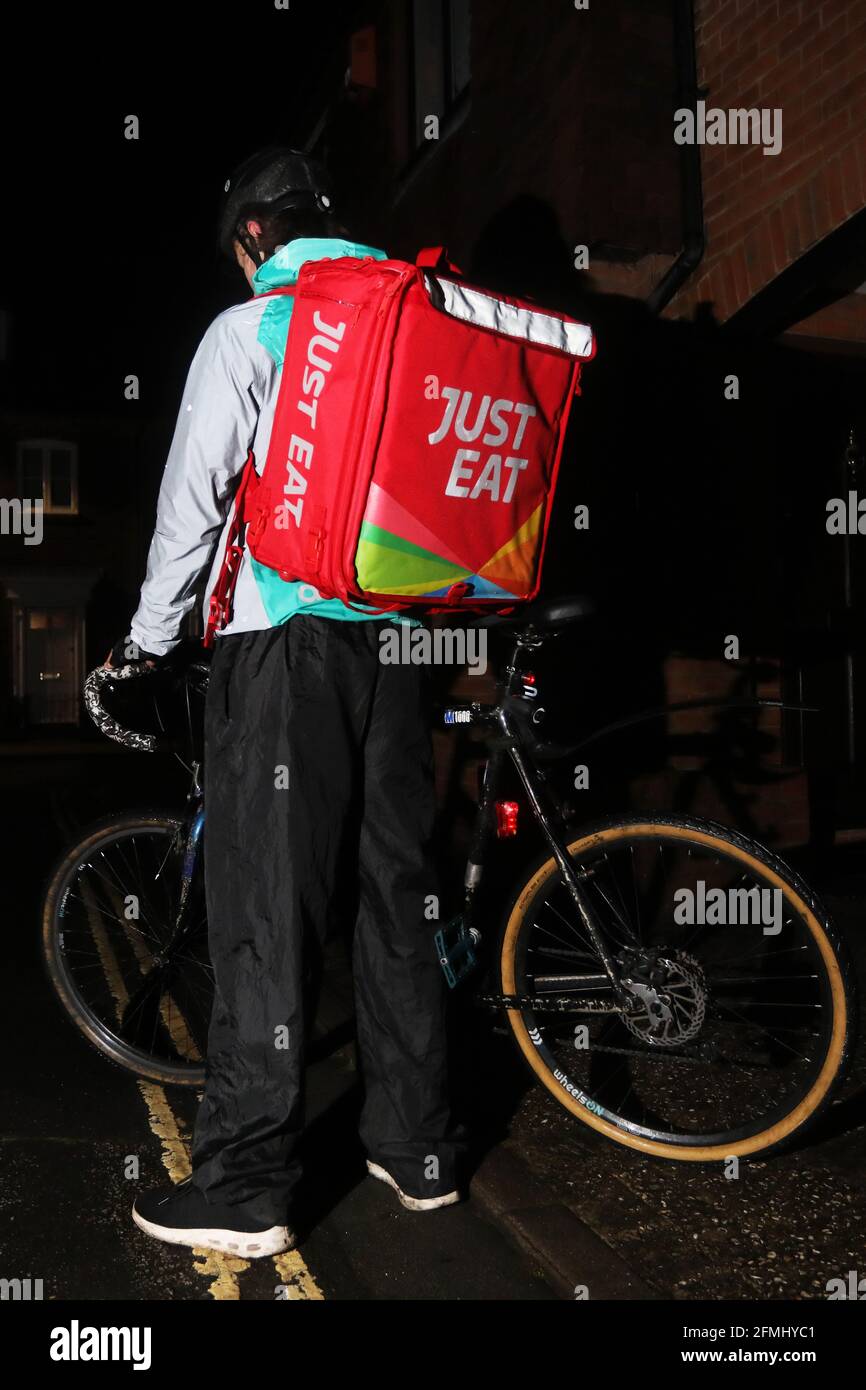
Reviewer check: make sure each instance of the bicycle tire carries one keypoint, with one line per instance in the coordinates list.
(830, 944)
(89, 1025)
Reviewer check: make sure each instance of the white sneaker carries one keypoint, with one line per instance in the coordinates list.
(411, 1203)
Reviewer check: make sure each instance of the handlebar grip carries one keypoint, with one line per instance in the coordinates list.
(127, 738)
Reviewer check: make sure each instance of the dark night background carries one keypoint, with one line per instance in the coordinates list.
(707, 518)
(707, 515)
(110, 259)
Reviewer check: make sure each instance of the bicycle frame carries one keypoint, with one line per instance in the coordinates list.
(652, 986)
(509, 721)
(512, 741)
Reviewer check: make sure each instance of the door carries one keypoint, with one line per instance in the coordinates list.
(51, 665)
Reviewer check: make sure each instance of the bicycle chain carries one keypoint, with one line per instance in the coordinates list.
(669, 1054)
(551, 1004)
(564, 1003)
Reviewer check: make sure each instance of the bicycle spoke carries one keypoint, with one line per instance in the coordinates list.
(720, 1029)
(157, 1005)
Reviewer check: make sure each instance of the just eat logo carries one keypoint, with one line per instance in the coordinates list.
(469, 477)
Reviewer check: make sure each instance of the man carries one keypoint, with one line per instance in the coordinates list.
(318, 774)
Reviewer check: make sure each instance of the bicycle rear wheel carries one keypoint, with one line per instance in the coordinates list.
(109, 913)
(739, 1029)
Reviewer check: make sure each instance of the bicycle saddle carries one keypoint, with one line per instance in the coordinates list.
(545, 613)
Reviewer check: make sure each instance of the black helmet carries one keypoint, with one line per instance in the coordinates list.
(275, 179)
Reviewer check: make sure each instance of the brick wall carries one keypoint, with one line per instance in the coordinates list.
(570, 108)
(841, 322)
(807, 57)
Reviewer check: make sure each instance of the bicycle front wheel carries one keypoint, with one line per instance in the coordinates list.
(110, 948)
(741, 1012)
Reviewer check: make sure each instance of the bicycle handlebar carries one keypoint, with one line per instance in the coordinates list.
(105, 723)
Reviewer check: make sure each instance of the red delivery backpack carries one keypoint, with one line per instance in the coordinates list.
(416, 440)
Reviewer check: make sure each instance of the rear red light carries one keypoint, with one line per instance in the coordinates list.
(506, 819)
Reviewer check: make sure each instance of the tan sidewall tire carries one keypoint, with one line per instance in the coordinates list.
(757, 1143)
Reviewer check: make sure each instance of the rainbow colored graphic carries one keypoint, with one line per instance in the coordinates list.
(398, 554)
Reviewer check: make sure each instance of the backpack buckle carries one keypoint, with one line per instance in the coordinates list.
(458, 592)
(315, 538)
(216, 619)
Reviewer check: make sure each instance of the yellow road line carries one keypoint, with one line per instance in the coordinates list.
(296, 1277)
(172, 1016)
(107, 958)
(163, 1123)
(211, 1264)
(222, 1269)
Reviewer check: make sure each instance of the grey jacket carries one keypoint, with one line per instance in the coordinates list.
(227, 410)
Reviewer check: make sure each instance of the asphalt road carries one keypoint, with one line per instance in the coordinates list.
(783, 1230)
(81, 1137)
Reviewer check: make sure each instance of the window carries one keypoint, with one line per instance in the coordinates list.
(41, 619)
(440, 59)
(48, 468)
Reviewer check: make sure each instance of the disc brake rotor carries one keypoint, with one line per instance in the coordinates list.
(670, 998)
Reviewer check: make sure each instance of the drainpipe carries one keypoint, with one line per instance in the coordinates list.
(690, 164)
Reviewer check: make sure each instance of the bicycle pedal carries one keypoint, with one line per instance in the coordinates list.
(455, 947)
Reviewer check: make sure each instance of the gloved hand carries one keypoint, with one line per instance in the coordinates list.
(125, 652)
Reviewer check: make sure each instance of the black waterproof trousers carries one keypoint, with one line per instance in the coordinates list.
(319, 800)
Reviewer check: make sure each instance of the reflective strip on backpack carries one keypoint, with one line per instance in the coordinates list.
(533, 325)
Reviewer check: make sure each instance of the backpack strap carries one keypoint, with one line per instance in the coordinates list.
(265, 294)
(222, 595)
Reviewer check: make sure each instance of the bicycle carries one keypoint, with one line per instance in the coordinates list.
(693, 1040)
